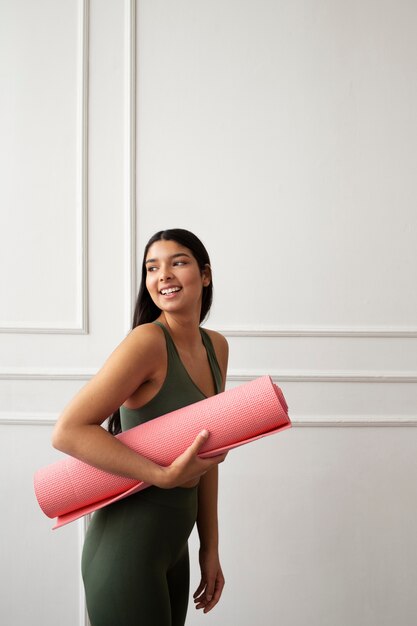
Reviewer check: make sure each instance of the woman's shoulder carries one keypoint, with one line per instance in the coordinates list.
(149, 329)
(149, 336)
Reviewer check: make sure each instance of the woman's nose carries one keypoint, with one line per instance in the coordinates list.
(165, 274)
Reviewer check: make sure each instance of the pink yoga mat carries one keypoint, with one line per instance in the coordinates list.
(69, 488)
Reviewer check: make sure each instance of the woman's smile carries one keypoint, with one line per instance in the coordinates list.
(169, 291)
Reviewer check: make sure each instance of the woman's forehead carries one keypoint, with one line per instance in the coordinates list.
(166, 248)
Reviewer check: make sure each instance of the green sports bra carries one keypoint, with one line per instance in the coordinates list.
(178, 388)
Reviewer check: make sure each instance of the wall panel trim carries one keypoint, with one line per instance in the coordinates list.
(334, 376)
(82, 189)
(130, 172)
(293, 376)
(22, 418)
(82, 530)
(343, 421)
(320, 331)
(353, 421)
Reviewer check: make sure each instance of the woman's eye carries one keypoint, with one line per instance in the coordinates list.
(180, 263)
(152, 268)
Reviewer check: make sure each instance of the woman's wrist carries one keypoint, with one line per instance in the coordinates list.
(152, 473)
(209, 547)
(161, 477)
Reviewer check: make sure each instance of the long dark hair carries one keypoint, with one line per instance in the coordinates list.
(146, 310)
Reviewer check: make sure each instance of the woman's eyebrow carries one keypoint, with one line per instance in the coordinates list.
(173, 256)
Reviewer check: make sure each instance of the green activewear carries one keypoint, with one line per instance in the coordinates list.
(135, 562)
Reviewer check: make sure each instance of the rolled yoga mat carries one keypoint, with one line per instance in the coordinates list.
(70, 488)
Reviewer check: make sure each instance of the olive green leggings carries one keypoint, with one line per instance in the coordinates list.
(135, 563)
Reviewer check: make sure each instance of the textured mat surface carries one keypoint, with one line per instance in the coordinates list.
(70, 488)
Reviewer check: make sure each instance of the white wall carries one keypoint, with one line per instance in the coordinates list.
(284, 134)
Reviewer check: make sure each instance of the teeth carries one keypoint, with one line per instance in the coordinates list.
(171, 290)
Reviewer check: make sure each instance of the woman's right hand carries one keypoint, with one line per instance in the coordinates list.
(188, 467)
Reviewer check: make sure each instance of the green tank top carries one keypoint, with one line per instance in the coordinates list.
(178, 389)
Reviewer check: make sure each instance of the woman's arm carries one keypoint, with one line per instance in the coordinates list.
(211, 584)
(212, 581)
(78, 431)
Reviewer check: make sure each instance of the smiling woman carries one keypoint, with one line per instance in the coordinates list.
(173, 274)
(191, 248)
(135, 558)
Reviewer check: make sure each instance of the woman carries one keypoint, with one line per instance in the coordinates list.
(135, 558)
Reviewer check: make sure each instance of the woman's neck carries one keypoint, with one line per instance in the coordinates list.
(184, 331)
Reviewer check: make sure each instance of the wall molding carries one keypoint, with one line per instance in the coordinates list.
(301, 421)
(334, 376)
(240, 376)
(82, 530)
(82, 190)
(320, 331)
(54, 374)
(22, 418)
(130, 171)
(354, 421)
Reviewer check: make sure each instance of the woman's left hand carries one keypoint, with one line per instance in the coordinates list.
(211, 585)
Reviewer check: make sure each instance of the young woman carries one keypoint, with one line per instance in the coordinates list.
(135, 558)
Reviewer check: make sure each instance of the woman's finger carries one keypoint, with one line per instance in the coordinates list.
(216, 596)
(199, 441)
(199, 590)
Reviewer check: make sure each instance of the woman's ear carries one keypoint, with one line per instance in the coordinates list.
(206, 274)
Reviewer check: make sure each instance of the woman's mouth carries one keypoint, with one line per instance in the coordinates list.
(170, 291)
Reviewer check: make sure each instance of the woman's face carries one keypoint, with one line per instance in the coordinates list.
(173, 277)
